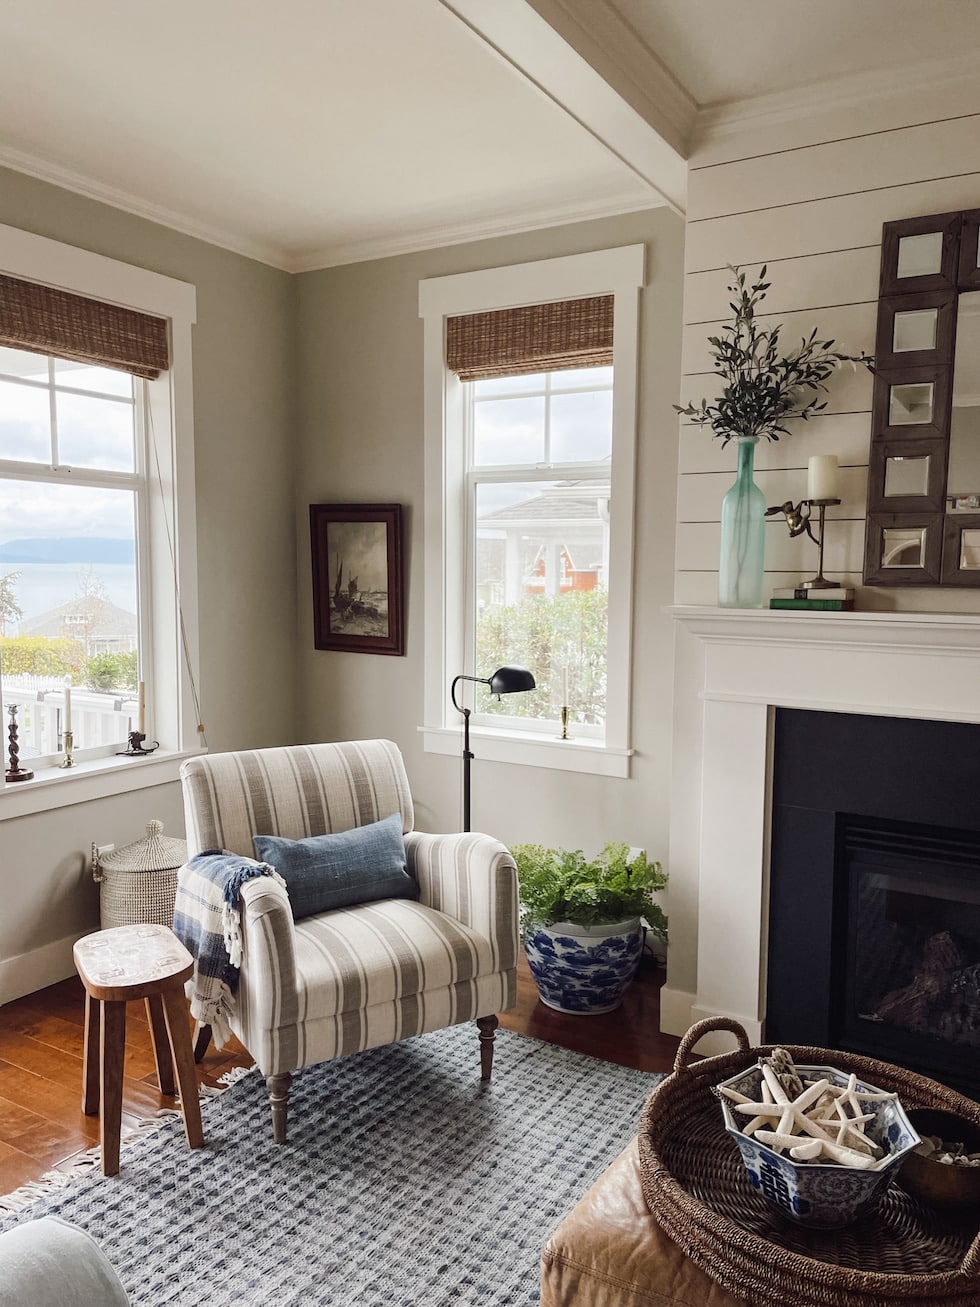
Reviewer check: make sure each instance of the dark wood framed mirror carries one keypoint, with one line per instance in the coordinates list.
(923, 525)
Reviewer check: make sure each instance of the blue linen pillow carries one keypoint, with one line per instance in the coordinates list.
(335, 871)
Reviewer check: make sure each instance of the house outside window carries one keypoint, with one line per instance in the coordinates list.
(96, 489)
(529, 515)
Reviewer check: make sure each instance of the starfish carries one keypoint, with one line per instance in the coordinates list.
(824, 1120)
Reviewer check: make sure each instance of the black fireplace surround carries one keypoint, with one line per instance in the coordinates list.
(874, 903)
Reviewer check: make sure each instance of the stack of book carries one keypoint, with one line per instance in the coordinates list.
(839, 599)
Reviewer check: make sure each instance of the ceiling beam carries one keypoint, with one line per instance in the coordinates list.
(542, 55)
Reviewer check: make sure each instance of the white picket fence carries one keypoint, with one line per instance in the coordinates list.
(97, 718)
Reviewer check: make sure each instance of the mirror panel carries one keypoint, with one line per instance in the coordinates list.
(963, 475)
(915, 329)
(906, 476)
(910, 404)
(919, 256)
(903, 546)
(970, 549)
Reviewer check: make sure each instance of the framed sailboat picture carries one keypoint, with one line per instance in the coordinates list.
(358, 601)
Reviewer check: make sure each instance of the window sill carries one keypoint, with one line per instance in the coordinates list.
(100, 778)
(531, 750)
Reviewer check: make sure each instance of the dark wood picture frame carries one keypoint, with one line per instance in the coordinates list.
(358, 592)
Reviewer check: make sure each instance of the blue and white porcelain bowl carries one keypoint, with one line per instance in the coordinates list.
(821, 1194)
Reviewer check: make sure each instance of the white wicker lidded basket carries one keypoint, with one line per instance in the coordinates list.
(138, 882)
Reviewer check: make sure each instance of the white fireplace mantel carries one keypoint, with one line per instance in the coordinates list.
(732, 667)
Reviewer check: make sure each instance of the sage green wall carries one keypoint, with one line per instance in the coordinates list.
(361, 440)
(244, 384)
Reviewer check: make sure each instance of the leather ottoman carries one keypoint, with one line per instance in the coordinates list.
(610, 1252)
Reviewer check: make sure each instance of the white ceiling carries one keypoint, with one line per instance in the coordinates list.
(319, 132)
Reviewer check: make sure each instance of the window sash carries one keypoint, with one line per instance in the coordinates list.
(81, 478)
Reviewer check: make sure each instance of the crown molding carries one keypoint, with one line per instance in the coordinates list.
(78, 184)
(342, 252)
(855, 91)
(433, 238)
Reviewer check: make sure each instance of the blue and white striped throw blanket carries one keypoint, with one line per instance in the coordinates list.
(207, 921)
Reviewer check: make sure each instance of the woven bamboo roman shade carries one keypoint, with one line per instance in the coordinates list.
(49, 321)
(533, 338)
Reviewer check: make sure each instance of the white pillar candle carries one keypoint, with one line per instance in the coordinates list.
(822, 477)
(67, 724)
(564, 687)
(141, 724)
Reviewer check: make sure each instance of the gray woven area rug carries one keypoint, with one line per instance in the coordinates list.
(403, 1183)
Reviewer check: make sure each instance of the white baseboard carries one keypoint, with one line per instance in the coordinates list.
(675, 1010)
(721, 1041)
(679, 1011)
(28, 972)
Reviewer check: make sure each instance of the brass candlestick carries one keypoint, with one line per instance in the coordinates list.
(15, 772)
(68, 739)
(564, 722)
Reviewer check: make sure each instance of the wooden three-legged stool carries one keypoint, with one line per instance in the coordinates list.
(116, 965)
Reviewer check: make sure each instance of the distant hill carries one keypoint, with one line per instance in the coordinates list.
(67, 549)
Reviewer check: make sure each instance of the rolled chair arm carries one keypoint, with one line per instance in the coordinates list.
(268, 975)
(473, 878)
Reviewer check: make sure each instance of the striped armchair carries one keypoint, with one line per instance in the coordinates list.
(359, 977)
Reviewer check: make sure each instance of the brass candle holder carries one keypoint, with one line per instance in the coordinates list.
(564, 722)
(68, 741)
(798, 520)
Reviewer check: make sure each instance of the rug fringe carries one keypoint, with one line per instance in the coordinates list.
(91, 1158)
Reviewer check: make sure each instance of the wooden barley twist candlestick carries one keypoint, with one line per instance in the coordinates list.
(15, 772)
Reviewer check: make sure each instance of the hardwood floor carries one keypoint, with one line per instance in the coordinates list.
(41, 1120)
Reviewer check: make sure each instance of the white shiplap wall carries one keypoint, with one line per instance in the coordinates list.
(808, 197)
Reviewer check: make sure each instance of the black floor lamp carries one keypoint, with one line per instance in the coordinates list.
(505, 680)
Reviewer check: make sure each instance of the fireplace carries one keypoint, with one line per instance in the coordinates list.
(874, 905)
(739, 677)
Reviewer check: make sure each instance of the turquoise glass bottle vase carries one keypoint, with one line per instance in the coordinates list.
(743, 535)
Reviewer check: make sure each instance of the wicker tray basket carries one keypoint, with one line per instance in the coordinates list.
(695, 1184)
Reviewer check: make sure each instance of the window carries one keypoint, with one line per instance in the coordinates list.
(72, 492)
(529, 508)
(95, 487)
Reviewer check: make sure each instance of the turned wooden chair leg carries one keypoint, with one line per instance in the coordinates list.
(202, 1038)
(279, 1102)
(488, 1026)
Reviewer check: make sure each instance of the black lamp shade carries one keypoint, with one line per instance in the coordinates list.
(511, 680)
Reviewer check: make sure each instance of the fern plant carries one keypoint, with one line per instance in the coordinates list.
(763, 387)
(564, 885)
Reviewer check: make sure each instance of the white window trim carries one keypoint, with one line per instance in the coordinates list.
(171, 714)
(619, 272)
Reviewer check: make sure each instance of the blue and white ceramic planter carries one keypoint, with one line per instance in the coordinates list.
(583, 969)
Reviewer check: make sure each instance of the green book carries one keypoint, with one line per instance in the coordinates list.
(814, 605)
